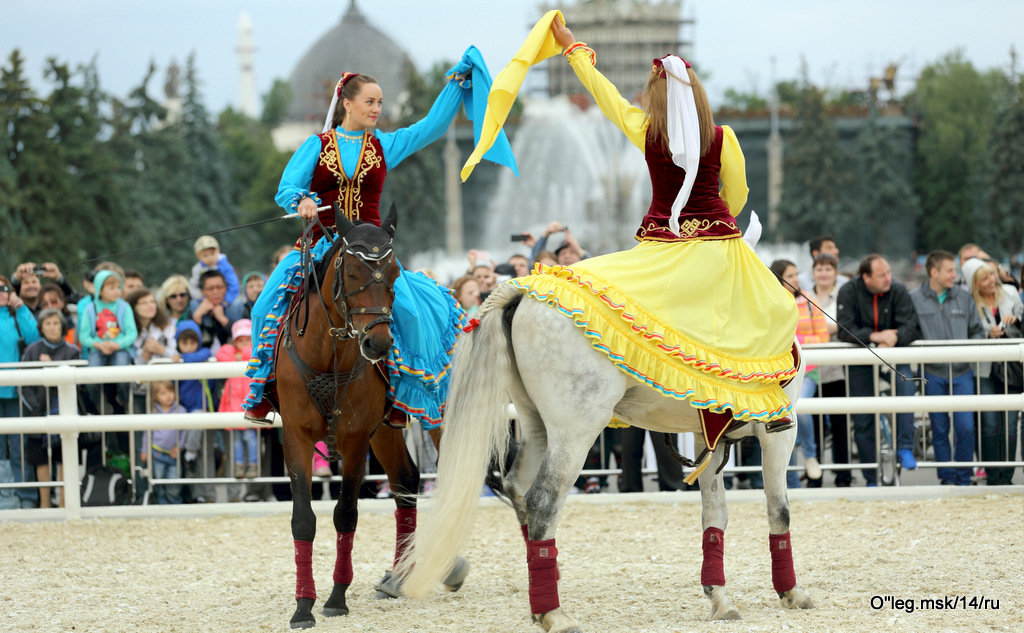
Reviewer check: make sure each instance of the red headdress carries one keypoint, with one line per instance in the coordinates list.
(345, 78)
(658, 64)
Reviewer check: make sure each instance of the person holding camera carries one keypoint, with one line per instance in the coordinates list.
(567, 253)
(28, 279)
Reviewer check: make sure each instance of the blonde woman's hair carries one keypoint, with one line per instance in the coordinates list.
(167, 287)
(979, 304)
(654, 102)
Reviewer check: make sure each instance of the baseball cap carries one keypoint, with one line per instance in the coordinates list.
(241, 327)
(204, 242)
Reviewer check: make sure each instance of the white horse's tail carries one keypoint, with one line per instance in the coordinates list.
(476, 428)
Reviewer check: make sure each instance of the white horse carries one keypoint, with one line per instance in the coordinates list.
(565, 393)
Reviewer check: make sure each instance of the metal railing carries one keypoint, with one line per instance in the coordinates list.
(69, 423)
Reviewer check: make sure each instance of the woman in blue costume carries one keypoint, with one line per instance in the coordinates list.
(347, 164)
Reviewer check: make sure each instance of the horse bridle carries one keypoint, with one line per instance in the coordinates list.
(376, 258)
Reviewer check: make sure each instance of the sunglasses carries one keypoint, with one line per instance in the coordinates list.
(178, 295)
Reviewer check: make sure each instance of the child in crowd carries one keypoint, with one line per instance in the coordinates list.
(195, 396)
(106, 330)
(208, 253)
(252, 285)
(41, 449)
(165, 444)
(246, 441)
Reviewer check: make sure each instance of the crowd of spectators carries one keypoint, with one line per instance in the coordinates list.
(117, 318)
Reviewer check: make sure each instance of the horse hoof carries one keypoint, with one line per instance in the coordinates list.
(457, 575)
(335, 604)
(388, 587)
(796, 598)
(556, 621)
(303, 616)
(730, 613)
(722, 607)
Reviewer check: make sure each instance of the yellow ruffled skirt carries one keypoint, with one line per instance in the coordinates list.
(701, 321)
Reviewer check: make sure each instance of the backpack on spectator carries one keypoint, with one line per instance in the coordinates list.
(105, 485)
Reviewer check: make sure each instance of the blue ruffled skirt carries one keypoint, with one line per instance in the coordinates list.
(425, 326)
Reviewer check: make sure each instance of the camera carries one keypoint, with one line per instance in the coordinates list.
(519, 237)
(39, 270)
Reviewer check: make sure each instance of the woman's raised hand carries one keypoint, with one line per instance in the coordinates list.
(563, 36)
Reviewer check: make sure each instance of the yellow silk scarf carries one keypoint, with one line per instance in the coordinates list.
(539, 45)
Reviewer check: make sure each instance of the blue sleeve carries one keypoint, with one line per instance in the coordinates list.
(27, 325)
(405, 142)
(538, 246)
(230, 276)
(126, 320)
(298, 175)
(201, 355)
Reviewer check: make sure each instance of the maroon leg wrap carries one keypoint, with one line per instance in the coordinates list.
(304, 586)
(405, 528)
(542, 561)
(343, 561)
(526, 532)
(712, 572)
(783, 576)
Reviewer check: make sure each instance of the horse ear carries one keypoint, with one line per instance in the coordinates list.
(391, 221)
(343, 224)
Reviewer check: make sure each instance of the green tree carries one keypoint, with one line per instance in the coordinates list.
(816, 185)
(417, 186)
(884, 197)
(256, 167)
(955, 108)
(63, 198)
(155, 182)
(275, 103)
(24, 128)
(1003, 178)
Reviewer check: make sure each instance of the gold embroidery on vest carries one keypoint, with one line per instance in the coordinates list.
(687, 229)
(330, 158)
(350, 191)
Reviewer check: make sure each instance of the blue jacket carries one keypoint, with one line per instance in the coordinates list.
(191, 392)
(10, 326)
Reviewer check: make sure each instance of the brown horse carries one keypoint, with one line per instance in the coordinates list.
(330, 386)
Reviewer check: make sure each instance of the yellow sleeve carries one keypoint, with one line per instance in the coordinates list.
(626, 116)
(733, 173)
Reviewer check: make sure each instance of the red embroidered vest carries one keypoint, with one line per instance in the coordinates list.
(357, 197)
(705, 215)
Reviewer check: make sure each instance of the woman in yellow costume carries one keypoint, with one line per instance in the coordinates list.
(691, 311)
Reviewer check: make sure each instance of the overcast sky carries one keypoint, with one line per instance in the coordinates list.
(843, 42)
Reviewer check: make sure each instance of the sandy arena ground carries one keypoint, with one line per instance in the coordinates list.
(627, 566)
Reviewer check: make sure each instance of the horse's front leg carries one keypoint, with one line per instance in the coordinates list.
(346, 516)
(298, 454)
(714, 519)
(776, 450)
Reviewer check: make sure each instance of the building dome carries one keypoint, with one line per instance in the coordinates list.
(353, 45)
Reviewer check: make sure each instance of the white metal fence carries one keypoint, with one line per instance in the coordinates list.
(69, 424)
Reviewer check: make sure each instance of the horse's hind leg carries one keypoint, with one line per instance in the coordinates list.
(714, 519)
(298, 454)
(776, 450)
